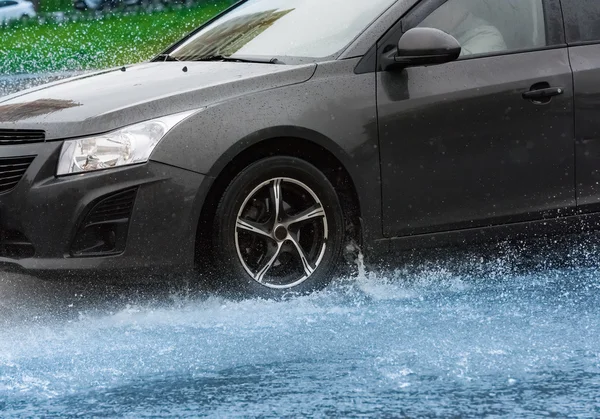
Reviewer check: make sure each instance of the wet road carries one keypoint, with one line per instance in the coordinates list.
(511, 331)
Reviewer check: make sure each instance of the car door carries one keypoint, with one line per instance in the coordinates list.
(582, 25)
(460, 145)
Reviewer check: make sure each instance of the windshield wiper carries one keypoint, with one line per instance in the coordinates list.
(166, 57)
(239, 58)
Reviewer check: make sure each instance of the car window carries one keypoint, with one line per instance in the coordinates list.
(284, 28)
(491, 26)
(582, 20)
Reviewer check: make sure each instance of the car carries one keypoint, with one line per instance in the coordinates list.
(93, 4)
(101, 5)
(264, 148)
(15, 10)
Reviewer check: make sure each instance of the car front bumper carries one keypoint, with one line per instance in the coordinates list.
(43, 219)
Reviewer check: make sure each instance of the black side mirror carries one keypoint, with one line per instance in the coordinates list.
(422, 46)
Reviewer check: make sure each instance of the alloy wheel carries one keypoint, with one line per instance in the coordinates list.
(281, 233)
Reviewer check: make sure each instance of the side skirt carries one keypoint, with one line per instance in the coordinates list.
(516, 232)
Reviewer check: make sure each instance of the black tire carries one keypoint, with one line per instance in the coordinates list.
(232, 271)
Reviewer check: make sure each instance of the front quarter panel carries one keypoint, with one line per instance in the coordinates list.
(335, 109)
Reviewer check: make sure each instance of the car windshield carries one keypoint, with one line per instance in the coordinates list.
(283, 28)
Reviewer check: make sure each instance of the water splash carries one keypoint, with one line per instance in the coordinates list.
(428, 338)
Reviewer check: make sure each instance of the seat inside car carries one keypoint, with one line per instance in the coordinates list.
(513, 18)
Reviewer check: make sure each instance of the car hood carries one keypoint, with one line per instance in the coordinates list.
(103, 101)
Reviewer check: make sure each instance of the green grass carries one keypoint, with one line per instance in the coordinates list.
(112, 41)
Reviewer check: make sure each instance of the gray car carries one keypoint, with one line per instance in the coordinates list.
(282, 135)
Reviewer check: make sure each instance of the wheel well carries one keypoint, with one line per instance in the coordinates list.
(306, 150)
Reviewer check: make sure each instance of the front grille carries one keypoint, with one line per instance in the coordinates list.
(14, 245)
(104, 230)
(21, 136)
(12, 170)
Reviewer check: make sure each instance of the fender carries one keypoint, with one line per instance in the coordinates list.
(336, 109)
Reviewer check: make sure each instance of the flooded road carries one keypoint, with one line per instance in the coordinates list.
(512, 331)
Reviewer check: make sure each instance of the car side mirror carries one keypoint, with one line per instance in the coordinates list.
(422, 47)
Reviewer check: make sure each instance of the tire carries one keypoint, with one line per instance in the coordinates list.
(301, 252)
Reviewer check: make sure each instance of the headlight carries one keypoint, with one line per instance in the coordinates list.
(125, 146)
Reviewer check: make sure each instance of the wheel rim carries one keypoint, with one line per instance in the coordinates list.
(281, 233)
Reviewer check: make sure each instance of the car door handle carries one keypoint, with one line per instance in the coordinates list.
(539, 95)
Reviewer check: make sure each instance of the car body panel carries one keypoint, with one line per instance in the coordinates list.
(113, 99)
(472, 152)
(48, 211)
(585, 60)
(336, 109)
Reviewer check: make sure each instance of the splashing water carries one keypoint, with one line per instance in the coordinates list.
(450, 339)
(509, 331)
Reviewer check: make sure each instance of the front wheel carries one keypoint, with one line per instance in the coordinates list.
(279, 228)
